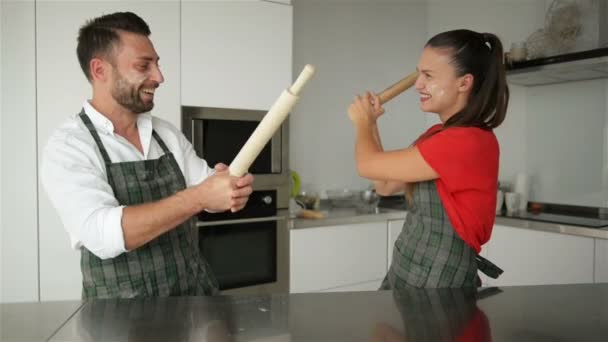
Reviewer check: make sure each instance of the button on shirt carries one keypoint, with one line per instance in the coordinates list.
(74, 175)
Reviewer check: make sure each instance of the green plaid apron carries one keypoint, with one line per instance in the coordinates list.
(428, 252)
(171, 264)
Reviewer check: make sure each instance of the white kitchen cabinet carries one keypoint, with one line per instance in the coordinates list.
(235, 54)
(601, 261)
(394, 229)
(18, 177)
(62, 88)
(336, 256)
(531, 257)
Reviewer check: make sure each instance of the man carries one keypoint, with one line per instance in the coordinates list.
(127, 185)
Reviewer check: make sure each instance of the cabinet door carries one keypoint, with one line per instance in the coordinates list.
(335, 256)
(62, 88)
(394, 229)
(18, 177)
(235, 54)
(601, 261)
(532, 257)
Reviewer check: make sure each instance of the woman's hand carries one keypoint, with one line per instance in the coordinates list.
(365, 109)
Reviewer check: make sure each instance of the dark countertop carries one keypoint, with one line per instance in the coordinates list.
(528, 313)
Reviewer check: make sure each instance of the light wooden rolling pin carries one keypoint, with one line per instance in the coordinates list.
(398, 88)
(269, 124)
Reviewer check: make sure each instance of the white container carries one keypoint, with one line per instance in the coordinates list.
(500, 197)
(518, 51)
(512, 200)
(522, 187)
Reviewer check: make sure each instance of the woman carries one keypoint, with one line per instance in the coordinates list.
(450, 173)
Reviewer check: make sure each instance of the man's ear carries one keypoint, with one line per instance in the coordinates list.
(100, 69)
(466, 83)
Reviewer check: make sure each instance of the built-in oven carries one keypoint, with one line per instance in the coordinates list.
(249, 250)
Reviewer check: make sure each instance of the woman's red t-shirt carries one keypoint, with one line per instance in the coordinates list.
(466, 160)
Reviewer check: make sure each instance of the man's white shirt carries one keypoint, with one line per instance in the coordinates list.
(74, 175)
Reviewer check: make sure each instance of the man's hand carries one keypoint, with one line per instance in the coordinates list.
(221, 191)
(243, 188)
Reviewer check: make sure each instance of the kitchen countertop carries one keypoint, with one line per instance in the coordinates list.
(598, 233)
(340, 216)
(526, 313)
(343, 216)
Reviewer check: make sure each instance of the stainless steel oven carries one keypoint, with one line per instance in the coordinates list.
(248, 250)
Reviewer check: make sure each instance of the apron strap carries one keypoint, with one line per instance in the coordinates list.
(160, 141)
(106, 158)
(87, 122)
(487, 267)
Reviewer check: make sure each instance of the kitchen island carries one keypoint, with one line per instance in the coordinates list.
(527, 313)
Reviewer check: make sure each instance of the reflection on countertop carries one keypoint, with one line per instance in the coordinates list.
(522, 313)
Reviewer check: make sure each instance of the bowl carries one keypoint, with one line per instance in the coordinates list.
(342, 198)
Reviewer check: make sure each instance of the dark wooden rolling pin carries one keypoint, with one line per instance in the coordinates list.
(398, 88)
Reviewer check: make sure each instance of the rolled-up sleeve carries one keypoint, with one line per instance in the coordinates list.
(78, 189)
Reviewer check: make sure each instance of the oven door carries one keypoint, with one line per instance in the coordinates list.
(248, 251)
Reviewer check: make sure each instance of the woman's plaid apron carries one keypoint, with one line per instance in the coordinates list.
(428, 252)
(171, 264)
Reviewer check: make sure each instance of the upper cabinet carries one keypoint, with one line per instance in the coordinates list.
(235, 54)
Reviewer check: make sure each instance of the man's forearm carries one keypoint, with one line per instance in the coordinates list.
(145, 222)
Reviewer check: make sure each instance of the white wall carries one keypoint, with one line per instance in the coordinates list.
(355, 46)
(1, 163)
(565, 129)
(18, 224)
(446, 15)
(554, 132)
(359, 45)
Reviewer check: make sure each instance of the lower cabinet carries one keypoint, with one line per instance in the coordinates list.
(356, 257)
(601, 261)
(345, 257)
(532, 257)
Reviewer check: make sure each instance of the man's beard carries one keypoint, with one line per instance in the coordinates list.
(128, 95)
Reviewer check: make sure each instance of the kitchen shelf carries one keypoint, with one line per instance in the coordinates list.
(577, 66)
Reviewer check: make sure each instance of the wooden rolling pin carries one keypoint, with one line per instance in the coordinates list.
(310, 214)
(398, 88)
(269, 124)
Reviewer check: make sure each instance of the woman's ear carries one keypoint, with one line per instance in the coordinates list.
(466, 83)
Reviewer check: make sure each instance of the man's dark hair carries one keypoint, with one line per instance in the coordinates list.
(99, 36)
